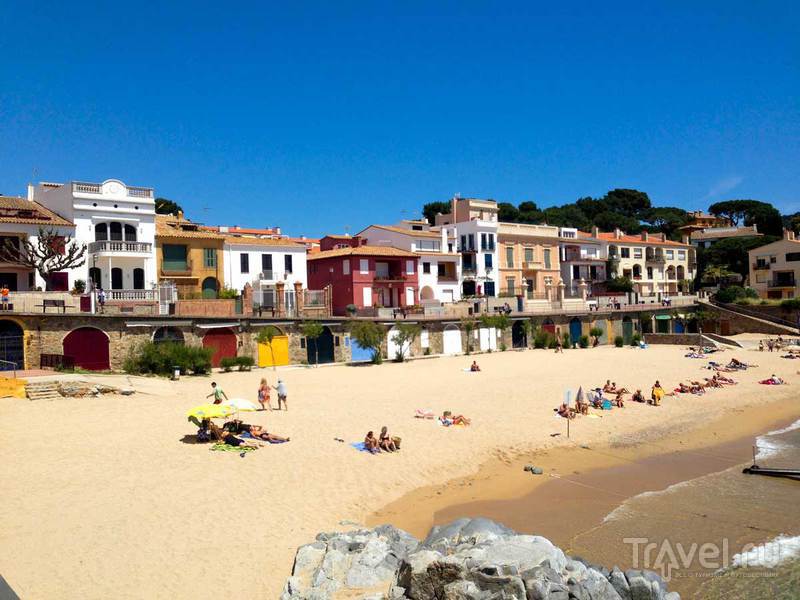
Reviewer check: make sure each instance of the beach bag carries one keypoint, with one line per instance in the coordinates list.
(396, 441)
(606, 404)
(202, 436)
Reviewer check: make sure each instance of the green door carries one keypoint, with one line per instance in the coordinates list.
(209, 288)
(627, 330)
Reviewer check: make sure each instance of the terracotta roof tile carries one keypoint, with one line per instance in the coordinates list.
(388, 251)
(243, 240)
(637, 239)
(169, 226)
(409, 232)
(20, 210)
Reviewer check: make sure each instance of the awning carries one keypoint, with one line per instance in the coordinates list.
(663, 317)
(157, 323)
(216, 325)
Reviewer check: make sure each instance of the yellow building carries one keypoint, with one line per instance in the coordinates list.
(189, 257)
(528, 257)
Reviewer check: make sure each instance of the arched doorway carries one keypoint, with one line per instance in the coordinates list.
(222, 342)
(519, 337)
(426, 293)
(276, 352)
(87, 347)
(116, 278)
(115, 230)
(138, 279)
(549, 326)
(451, 340)
(101, 232)
(575, 330)
(171, 335)
(627, 330)
(12, 348)
(210, 287)
(130, 233)
(320, 348)
(96, 276)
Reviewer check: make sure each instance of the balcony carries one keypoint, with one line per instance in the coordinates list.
(176, 268)
(656, 258)
(120, 247)
(131, 295)
(389, 277)
(266, 275)
(467, 249)
(761, 266)
(446, 279)
(782, 282)
(469, 272)
(97, 188)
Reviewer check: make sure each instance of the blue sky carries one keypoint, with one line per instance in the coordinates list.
(321, 117)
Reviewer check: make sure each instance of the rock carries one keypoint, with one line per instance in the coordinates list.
(528, 468)
(127, 391)
(469, 559)
(537, 471)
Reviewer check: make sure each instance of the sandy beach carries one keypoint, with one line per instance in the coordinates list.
(104, 497)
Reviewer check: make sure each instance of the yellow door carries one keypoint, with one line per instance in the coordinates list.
(278, 355)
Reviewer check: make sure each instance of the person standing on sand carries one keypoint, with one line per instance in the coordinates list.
(282, 393)
(217, 392)
(263, 394)
(559, 345)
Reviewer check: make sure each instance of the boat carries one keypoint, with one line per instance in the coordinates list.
(786, 473)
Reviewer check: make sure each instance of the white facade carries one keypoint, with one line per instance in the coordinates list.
(582, 259)
(262, 263)
(439, 262)
(477, 244)
(116, 222)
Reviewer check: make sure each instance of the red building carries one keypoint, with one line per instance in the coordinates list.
(366, 276)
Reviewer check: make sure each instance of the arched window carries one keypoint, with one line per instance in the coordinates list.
(96, 276)
(210, 287)
(116, 278)
(168, 335)
(101, 232)
(116, 231)
(138, 278)
(130, 233)
(637, 270)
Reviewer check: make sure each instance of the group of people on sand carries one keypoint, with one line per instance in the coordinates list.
(699, 387)
(263, 394)
(382, 443)
(236, 433)
(616, 397)
(771, 345)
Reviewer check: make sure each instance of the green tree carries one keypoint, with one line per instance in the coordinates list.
(431, 209)
(468, 325)
(507, 213)
(666, 219)
(750, 212)
(731, 253)
(404, 336)
(312, 330)
(369, 335)
(568, 215)
(167, 207)
(265, 336)
(619, 284)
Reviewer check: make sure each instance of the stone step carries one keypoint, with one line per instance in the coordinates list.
(45, 390)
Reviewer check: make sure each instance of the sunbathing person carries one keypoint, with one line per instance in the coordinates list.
(371, 443)
(565, 411)
(258, 432)
(638, 396)
(616, 389)
(619, 400)
(724, 380)
(608, 388)
(448, 418)
(683, 388)
(582, 407)
(385, 442)
(226, 437)
(474, 367)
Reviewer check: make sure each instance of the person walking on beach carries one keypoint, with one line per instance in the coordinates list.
(101, 298)
(559, 345)
(263, 394)
(282, 393)
(217, 392)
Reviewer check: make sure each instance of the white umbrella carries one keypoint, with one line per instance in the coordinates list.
(240, 405)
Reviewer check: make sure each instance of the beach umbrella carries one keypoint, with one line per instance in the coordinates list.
(210, 411)
(579, 399)
(240, 404)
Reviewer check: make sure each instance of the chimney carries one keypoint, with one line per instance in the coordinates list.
(644, 235)
(617, 233)
(595, 232)
(180, 215)
(30, 192)
(788, 234)
(685, 239)
(663, 237)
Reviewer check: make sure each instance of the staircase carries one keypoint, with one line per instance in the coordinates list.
(43, 390)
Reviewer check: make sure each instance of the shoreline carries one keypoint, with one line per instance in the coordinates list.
(658, 458)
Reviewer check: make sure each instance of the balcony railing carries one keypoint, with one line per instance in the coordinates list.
(390, 277)
(176, 267)
(760, 266)
(120, 246)
(469, 272)
(96, 188)
(266, 275)
(131, 295)
(782, 282)
(447, 279)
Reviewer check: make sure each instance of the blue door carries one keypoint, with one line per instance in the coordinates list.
(574, 330)
(679, 326)
(359, 353)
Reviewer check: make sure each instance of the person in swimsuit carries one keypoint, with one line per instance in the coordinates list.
(371, 443)
(263, 394)
(258, 432)
(385, 442)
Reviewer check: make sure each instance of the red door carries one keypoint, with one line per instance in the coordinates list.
(223, 341)
(88, 348)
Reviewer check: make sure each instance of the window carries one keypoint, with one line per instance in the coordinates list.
(463, 242)
(487, 261)
(130, 233)
(244, 263)
(637, 253)
(287, 263)
(210, 257)
(409, 267)
(491, 241)
(484, 243)
(266, 262)
(510, 256)
(116, 231)
(510, 285)
(547, 258)
(772, 260)
(471, 241)
(649, 272)
(591, 252)
(426, 267)
(346, 266)
(440, 270)
(792, 256)
(625, 252)
(174, 258)
(576, 271)
(101, 232)
(528, 255)
(364, 266)
(670, 254)
(681, 254)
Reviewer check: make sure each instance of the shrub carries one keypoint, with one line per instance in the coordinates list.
(541, 339)
(619, 341)
(552, 342)
(583, 341)
(227, 293)
(619, 284)
(503, 347)
(227, 363)
(790, 304)
(79, 286)
(351, 309)
(732, 293)
(427, 352)
(566, 340)
(635, 339)
(161, 359)
(245, 363)
(370, 335)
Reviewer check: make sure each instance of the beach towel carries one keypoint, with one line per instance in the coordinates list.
(361, 447)
(770, 382)
(222, 447)
(424, 413)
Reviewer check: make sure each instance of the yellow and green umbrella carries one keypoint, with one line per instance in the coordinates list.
(211, 411)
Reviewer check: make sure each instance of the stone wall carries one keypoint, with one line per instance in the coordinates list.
(677, 339)
(206, 308)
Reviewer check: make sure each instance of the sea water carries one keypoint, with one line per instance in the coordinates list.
(724, 535)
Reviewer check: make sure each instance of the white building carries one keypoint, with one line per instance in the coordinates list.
(439, 263)
(582, 258)
(475, 222)
(263, 263)
(116, 221)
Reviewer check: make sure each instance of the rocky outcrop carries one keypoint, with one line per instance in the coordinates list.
(470, 559)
